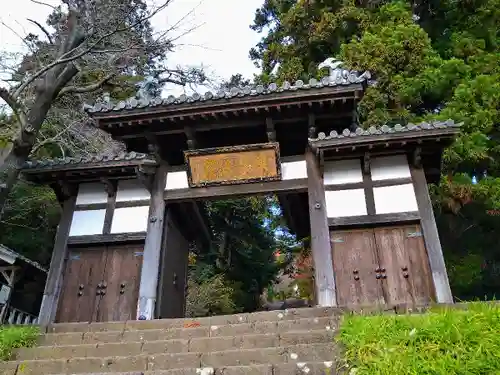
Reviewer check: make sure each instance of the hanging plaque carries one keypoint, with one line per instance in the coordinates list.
(233, 165)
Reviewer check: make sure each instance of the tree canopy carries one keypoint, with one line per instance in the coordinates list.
(431, 60)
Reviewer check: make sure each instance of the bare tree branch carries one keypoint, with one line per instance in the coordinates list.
(14, 105)
(44, 30)
(89, 88)
(42, 3)
(69, 55)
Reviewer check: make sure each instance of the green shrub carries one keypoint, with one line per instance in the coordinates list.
(444, 341)
(13, 337)
(210, 297)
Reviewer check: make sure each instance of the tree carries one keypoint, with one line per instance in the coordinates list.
(89, 46)
(431, 60)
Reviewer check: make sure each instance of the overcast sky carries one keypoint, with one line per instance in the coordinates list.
(221, 43)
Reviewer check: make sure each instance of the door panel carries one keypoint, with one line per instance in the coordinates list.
(393, 257)
(122, 276)
(402, 253)
(354, 263)
(419, 271)
(77, 302)
(173, 280)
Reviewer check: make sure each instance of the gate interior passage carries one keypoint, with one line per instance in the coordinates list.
(102, 284)
(384, 265)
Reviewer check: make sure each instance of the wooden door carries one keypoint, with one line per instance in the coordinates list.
(404, 264)
(173, 275)
(84, 270)
(354, 263)
(121, 283)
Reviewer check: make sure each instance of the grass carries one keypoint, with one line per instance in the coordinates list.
(13, 337)
(444, 341)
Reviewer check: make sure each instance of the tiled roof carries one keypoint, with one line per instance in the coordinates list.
(104, 159)
(4, 249)
(385, 130)
(346, 79)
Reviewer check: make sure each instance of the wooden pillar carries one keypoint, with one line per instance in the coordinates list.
(152, 247)
(431, 237)
(51, 293)
(320, 234)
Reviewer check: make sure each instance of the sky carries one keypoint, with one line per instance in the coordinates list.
(220, 42)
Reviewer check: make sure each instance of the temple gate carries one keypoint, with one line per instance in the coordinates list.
(128, 220)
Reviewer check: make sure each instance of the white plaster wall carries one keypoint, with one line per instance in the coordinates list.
(92, 192)
(343, 203)
(87, 222)
(293, 170)
(390, 167)
(342, 172)
(177, 180)
(393, 199)
(130, 220)
(131, 190)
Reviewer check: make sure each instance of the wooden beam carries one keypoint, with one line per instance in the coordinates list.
(106, 238)
(368, 186)
(51, 293)
(367, 182)
(111, 187)
(152, 247)
(271, 131)
(218, 192)
(431, 237)
(320, 234)
(368, 220)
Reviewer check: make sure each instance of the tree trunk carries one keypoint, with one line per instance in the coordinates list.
(17, 153)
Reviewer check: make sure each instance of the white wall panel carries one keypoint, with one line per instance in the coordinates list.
(131, 190)
(177, 180)
(293, 170)
(342, 172)
(92, 192)
(390, 167)
(343, 203)
(397, 198)
(130, 220)
(87, 222)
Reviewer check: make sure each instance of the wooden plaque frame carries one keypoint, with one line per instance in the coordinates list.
(233, 149)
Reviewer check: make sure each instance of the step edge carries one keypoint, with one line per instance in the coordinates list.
(181, 328)
(193, 369)
(334, 331)
(334, 346)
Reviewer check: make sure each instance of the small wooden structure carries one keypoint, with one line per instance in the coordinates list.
(122, 245)
(21, 288)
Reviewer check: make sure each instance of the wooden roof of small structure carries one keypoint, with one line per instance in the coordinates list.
(10, 257)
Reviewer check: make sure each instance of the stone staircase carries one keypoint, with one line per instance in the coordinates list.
(295, 341)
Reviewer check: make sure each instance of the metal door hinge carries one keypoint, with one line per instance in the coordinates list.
(414, 234)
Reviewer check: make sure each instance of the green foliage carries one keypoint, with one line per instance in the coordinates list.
(14, 337)
(29, 222)
(445, 341)
(431, 60)
(209, 297)
(243, 248)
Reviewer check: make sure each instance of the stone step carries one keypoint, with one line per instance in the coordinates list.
(297, 368)
(197, 345)
(131, 325)
(127, 335)
(302, 353)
